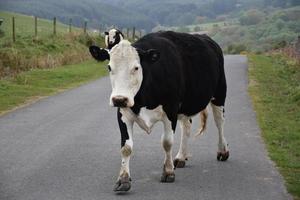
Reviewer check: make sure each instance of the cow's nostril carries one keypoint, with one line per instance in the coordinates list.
(120, 101)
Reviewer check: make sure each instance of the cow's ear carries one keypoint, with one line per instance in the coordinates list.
(99, 53)
(105, 33)
(153, 55)
(150, 56)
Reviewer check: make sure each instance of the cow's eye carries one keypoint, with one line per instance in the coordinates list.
(108, 67)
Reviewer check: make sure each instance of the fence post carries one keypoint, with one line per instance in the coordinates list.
(127, 33)
(140, 33)
(84, 27)
(13, 29)
(133, 33)
(70, 25)
(35, 26)
(54, 26)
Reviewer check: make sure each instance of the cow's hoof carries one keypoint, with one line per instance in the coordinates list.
(179, 163)
(167, 178)
(223, 156)
(123, 185)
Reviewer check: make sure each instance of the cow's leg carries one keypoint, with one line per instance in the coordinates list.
(218, 112)
(126, 127)
(182, 155)
(167, 142)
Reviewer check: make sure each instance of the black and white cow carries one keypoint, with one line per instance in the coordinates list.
(113, 37)
(168, 77)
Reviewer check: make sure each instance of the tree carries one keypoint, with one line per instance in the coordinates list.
(251, 17)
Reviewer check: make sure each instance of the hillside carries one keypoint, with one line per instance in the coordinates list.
(142, 14)
(44, 51)
(97, 13)
(260, 31)
(255, 30)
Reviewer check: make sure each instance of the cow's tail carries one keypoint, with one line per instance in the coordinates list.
(203, 121)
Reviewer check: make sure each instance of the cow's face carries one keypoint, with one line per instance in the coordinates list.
(126, 74)
(113, 37)
(125, 70)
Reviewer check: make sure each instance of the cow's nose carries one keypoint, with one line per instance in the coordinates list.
(120, 101)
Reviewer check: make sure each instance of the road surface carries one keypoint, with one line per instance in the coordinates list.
(67, 147)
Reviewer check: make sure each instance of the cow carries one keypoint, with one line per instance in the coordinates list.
(113, 37)
(169, 77)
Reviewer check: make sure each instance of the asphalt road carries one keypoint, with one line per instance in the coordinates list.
(68, 147)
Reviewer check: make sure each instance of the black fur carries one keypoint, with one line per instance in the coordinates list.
(189, 73)
(181, 72)
(123, 129)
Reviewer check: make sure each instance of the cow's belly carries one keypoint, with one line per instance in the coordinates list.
(146, 118)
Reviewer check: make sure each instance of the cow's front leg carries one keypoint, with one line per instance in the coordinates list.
(167, 139)
(126, 126)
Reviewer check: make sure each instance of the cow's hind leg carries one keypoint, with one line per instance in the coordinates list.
(218, 112)
(183, 154)
(126, 126)
(167, 140)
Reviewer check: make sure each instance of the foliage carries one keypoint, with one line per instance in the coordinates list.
(235, 48)
(275, 91)
(276, 30)
(143, 14)
(251, 17)
(97, 13)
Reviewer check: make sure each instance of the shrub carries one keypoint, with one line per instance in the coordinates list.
(280, 24)
(252, 17)
(236, 48)
(1, 33)
(197, 28)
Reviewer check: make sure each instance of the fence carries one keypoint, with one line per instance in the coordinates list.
(131, 33)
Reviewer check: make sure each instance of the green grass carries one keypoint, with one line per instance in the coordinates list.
(46, 50)
(25, 25)
(275, 91)
(30, 85)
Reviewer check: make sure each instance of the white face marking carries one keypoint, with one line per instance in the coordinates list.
(126, 73)
(111, 37)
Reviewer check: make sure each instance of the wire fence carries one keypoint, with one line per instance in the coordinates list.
(40, 28)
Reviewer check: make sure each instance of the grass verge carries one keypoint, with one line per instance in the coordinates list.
(44, 51)
(275, 91)
(31, 85)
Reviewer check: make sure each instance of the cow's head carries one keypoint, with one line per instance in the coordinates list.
(113, 37)
(125, 70)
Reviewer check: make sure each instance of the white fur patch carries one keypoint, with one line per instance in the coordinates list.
(145, 119)
(126, 72)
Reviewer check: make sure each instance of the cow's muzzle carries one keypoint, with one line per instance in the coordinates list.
(120, 101)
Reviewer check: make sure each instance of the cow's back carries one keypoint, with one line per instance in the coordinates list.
(201, 62)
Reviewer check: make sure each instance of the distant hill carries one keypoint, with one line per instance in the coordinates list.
(95, 12)
(143, 14)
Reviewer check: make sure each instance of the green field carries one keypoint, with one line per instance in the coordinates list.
(25, 25)
(44, 51)
(275, 91)
(31, 85)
